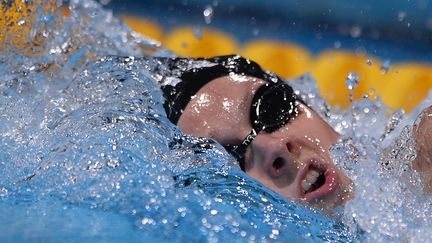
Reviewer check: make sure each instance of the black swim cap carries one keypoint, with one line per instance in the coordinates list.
(189, 75)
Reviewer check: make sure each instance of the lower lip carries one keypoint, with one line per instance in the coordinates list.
(331, 184)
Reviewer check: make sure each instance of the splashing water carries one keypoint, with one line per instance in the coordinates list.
(376, 151)
(85, 140)
(352, 80)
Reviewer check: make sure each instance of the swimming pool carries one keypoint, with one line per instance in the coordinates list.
(88, 154)
(389, 47)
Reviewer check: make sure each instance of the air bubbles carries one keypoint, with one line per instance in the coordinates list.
(208, 14)
(352, 80)
(369, 62)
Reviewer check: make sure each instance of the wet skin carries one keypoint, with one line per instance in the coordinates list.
(293, 161)
(422, 131)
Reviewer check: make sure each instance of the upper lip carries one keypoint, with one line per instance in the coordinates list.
(331, 184)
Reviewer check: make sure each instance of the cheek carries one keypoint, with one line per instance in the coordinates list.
(313, 130)
(326, 133)
(227, 128)
(316, 127)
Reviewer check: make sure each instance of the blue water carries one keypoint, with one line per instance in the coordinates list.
(87, 153)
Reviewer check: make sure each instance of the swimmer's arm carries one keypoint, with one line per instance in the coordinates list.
(423, 137)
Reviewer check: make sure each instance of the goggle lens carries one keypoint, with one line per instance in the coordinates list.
(273, 106)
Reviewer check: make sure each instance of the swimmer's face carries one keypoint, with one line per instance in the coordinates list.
(293, 161)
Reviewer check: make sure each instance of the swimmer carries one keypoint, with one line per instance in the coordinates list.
(275, 136)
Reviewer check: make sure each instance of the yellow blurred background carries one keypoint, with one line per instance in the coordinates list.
(401, 85)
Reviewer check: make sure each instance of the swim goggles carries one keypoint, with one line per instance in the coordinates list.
(273, 106)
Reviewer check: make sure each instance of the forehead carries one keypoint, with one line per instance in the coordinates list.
(219, 106)
(234, 87)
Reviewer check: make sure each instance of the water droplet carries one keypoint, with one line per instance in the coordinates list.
(401, 16)
(208, 14)
(355, 32)
(21, 22)
(256, 31)
(385, 66)
(345, 155)
(369, 62)
(337, 44)
(147, 221)
(198, 32)
(352, 80)
(113, 163)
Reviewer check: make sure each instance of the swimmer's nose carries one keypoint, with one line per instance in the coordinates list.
(293, 147)
(279, 157)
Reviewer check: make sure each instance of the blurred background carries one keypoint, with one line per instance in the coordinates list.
(387, 43)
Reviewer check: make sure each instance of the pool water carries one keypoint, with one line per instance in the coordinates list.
(88, 153)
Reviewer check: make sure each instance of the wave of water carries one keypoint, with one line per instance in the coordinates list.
(87, 153)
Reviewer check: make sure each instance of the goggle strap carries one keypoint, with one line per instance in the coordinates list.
(239, 151)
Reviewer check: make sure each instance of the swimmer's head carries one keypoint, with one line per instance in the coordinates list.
(292, 160)
(283, 146)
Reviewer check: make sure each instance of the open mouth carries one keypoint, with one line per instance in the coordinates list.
(318, 182)
(314, 179)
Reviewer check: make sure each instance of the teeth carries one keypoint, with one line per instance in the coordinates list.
(306, 185)
(311, 178)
